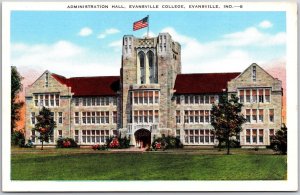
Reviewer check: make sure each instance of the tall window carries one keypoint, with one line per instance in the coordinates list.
(76, 117)
(261, 95)
(242, 96)
(248, 136)
(152, 67)
(177, 116)
(271, 115)
(59, 133)
(248, 117)
(33, 118)
(254, 73)
(46, 79)
(60, 118)
(142, 67)
(261, 115)
(114, 116)
(267, 95)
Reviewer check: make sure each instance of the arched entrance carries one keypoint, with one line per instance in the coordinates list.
(143, 138)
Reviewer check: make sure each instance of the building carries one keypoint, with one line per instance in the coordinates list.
(152, 97)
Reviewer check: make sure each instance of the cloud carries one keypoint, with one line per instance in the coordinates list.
(84, 32)
(230, 53)
(65, 58)
(265, 24)
(107, 32)
(253, 37)
(116, 45)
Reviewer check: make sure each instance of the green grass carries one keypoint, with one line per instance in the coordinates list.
(92, 165)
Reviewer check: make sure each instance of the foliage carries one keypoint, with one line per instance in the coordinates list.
(29, 144)
(279, 141)
(99, 147)
(45, 125)
(118, 142)
(66, 143)
(168, 142)
(227, 119)
(18, 138)
(16, 105)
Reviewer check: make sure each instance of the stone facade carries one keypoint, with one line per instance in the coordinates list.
(153, 98)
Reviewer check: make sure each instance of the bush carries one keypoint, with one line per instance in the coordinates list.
(18, 138)
(168, 142)
(66, 143)
(118, 142)
(99, 147)
(29, 144)
(279, 141)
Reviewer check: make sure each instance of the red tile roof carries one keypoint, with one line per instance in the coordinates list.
(206, 83)
(91, 86)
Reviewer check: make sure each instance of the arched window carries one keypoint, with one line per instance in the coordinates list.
(142, 67)
(152, 67)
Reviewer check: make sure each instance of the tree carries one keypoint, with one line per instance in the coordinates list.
(227, 119)
(45, 125)
(279, 141)
(16, 105)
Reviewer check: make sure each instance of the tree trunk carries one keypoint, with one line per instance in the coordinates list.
(42, 145)
(228, 145)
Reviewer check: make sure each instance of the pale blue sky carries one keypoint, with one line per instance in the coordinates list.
(52, 40)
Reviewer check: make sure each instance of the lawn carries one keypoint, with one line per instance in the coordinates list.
(80, 164)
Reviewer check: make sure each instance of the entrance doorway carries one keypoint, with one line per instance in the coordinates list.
(143, 138)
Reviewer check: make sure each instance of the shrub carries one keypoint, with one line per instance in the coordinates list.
(66, 143)
(99, 147)
(168, 142)
(118, 142)
(279, 141)
(18, 138)
(29, 144)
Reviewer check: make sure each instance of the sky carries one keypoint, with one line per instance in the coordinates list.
(74, 43)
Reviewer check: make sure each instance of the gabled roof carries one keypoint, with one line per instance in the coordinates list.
(205, 83)
(91, 86)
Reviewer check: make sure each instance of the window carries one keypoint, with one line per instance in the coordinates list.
(267, 95)
(114, 101)
(196, 99)
(152, 67)
(76, 136)
(207, 116)
(201, 116)
(93, 117)
(271, 115)
(177, 99)
(201, 99)
(93, 136)
(248, 136)
(114, 116)
(212, 99)
(76, 101)
(88, 118)
(198, 136)
(271, 134)
(59, 133)
(47, 100)
(57, 99)
(186, 99)
(261, 115)
(261, 96)
(156, 97)
(84, 118)
(33, 137)
(248, 96)
(248, 117)
(254, 73)
(36, 100)
(197, 116)
(60, 118)
(206, 99)
(254, 136)
(261, 136)
(46, 79)
(177, 116)
(142, 67)
(254, 115)
(254, 95)
(32, 118)
(178, 133)
(242, 96)
(76, 117)
(156, 116)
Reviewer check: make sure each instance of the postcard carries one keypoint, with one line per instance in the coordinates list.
(149, 96)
